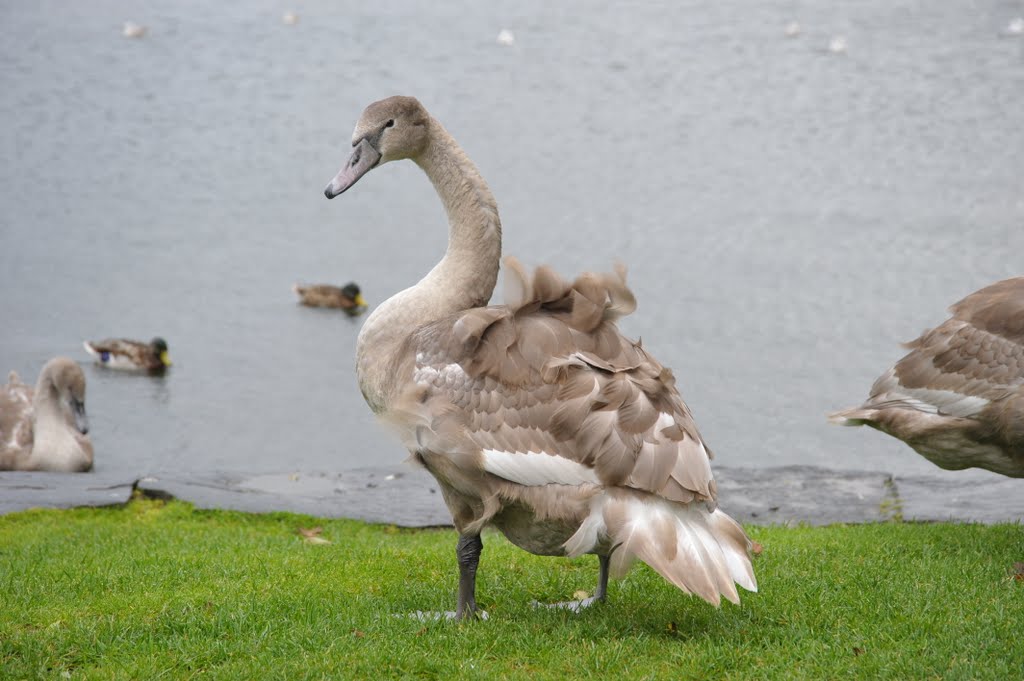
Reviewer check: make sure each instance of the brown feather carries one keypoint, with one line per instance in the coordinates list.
(958, 397)
(534, 415)
(25, 413)
(543, 368)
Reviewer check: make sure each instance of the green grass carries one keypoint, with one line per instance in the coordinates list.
(156, 590)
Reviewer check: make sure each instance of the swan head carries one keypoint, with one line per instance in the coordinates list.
(65, 379)
(392, 129)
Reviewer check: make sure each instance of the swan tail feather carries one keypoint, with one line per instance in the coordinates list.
(858, 416)
(701, 552)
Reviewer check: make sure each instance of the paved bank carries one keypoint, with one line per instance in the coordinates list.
(409, 497)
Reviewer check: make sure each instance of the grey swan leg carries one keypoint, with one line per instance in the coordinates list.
(600, 594)
(468, 552)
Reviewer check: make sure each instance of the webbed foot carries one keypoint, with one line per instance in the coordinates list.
(585, 602)
(572, 606)
(433, 616)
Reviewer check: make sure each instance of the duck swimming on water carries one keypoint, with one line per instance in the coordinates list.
(348, 297)
(130, 355)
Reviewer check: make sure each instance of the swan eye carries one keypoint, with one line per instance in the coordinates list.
(390, 123)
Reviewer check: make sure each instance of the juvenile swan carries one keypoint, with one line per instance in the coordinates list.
(45, 431)
(958, 397)
(537, 417)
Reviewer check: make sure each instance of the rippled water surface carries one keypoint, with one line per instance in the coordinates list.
(788, 215)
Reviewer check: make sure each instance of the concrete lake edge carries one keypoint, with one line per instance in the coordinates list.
(408, 496)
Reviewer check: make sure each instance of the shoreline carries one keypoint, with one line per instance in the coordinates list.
(406, 496)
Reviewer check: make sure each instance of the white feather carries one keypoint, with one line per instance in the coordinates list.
(112, 360)
(946, 401)
(739, 565)
(534, 469)
(697, 537)
(448, 374)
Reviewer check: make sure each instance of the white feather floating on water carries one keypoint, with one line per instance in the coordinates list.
(133, 30)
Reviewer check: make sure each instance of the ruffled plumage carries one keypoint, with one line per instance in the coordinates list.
(958, 397)
(544, 392)
(537, 417)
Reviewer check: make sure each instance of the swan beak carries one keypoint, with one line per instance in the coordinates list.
(165, 359)
(81, 420)
(363, 159)
(359, 300)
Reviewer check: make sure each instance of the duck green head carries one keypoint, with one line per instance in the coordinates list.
(160, 346)
(351, 290)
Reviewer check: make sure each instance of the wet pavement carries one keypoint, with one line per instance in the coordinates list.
(409, 497)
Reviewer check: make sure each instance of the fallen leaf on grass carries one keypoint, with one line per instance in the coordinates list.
(316, 540)
(672, 627)
(421, 631)
(857, 652)
(580, 595)
(757, 548)
(311, 535)
(358, 634)
(1018, 572)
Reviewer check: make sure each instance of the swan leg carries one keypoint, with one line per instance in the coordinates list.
(600, 594)
(468, 552)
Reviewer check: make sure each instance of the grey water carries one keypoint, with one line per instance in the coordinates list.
(789, 215)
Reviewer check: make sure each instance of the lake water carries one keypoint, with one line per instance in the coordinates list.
(789, 215)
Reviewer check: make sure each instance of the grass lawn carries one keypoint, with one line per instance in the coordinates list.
(160, 590)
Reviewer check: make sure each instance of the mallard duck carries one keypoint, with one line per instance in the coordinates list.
(130, 355)
(958, 397)
(348, 297)
(536, 417)
(45, 429)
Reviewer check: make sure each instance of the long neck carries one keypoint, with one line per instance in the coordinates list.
(463, 279)
(466, 275)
